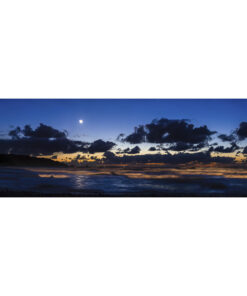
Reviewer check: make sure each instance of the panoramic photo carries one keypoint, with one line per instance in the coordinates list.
(123, 148)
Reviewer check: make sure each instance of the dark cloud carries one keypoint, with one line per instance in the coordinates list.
(134, 150)
(169, 135)
(42, 131)
(119, 151)
(175, 131)
(110, 156)
(199, 146)
(222, 149)
(181, 134)
(15, 133)
(100, 146)
(41, 146)
(242, 131)
(137, 137)
(179, 158)
(120, 137)
(46, 140)
(124, 151)
(180, 146)
(81, 157)
(226, 138)
(93, 157)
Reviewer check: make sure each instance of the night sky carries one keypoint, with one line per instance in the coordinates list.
(106, 119)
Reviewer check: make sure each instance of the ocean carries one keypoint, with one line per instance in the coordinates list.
(62, 182)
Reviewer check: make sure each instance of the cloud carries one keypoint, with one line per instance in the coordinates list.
(226, 138)
(42, 131)
(100, 146)
(179, 158)
(14, 134)
(41, 146)
(174, 131)
(180, 146)
(222, 149)
(180, 134)
(46, 140)
(110, 156)
(120, 137)
(238, 134)
(134, 150)
(137, 137)
(242, 131)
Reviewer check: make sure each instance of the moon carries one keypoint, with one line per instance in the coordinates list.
(80, 121)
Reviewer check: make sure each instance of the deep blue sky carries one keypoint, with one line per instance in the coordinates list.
(107, 118)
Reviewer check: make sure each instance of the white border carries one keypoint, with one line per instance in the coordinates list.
(123, 49)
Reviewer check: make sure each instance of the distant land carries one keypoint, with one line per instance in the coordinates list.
(25, 160)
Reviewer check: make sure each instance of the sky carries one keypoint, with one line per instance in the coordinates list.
(107, 118)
